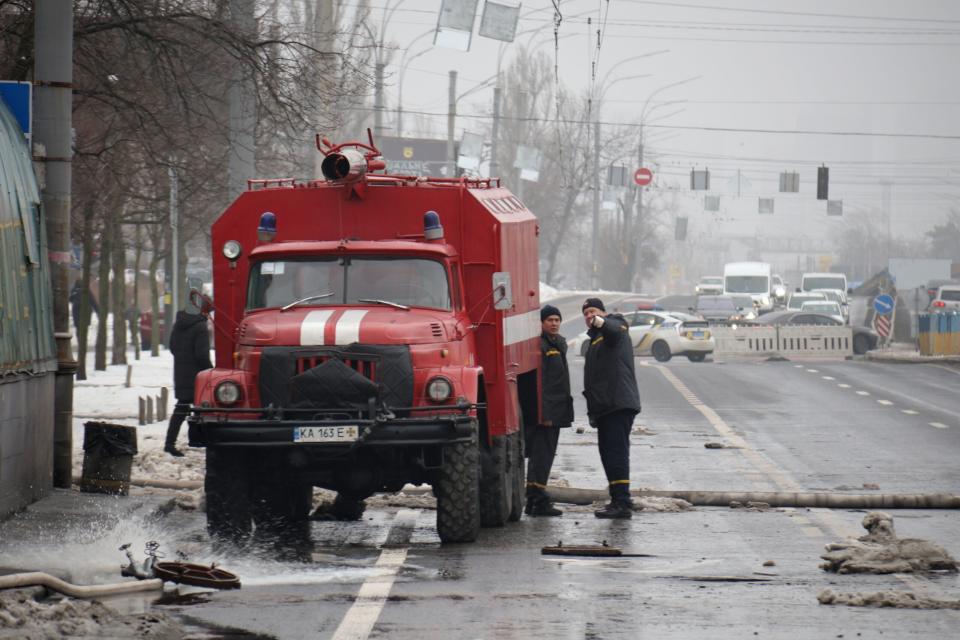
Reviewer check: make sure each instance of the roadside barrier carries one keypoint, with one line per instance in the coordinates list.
(939, 334)
(784, 341)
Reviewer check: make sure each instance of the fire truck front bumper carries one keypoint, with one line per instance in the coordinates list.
(216, 431)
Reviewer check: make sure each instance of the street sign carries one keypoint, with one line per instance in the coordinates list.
(883, 304)
(643, 176)
(18, 98)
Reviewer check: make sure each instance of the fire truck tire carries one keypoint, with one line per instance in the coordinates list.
(228, 484)
(518, 479)
(495, 484)
(283, 507)
(347, 508)
(458, 493)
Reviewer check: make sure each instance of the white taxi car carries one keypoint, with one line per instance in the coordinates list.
(662, 335)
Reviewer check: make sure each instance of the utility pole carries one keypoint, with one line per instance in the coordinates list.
(595, 252)
(638, 228)
(174, 243)
(886, 191)
(378, 97)
(53, 103)
(243, 108)
(451, 123)
(522, 110)
(495, 132)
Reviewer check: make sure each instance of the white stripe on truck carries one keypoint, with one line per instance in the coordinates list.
(520, 327)
(313, 326)
(348, 327)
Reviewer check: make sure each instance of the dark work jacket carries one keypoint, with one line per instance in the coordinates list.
(190, 346)
(555, 381)
(609, 379)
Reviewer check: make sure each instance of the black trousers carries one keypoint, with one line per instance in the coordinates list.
(179, 414)
(613, 439)
(543, 448)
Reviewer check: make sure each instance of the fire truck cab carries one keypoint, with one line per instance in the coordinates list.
(371, 330)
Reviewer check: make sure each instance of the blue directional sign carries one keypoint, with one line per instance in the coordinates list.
(17, 96)
(883, 304)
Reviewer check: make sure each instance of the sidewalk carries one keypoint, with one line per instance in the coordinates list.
(907, 353)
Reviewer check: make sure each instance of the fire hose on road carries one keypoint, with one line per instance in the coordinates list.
(40, 579)
(572, 495)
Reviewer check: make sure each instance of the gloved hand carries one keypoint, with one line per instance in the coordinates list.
(597, 322)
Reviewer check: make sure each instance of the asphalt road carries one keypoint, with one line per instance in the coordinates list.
(790, 426)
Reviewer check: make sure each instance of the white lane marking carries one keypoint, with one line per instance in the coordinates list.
(909, 412)
(843, 385)
(365, 611)
(812, 371)
(863, 393)
(939, 425)
(885, 403)
(313, 326)
(798, 366)
(347, 330)
(828, 377)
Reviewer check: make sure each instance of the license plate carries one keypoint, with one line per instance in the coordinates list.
(345, 433)
(698, 335)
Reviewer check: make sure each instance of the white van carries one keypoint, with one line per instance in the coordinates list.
(825, 282)
(752, 278)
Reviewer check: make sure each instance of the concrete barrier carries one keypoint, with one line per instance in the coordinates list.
(785, 341)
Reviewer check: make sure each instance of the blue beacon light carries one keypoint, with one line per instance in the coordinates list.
(432, 229)
(268, 226)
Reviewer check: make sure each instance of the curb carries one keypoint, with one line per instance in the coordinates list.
(911, 359)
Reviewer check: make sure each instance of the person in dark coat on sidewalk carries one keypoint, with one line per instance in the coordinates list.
(190, 346)
(613, 400)
(556, 413)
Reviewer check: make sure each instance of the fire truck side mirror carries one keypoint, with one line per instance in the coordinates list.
(502, 291)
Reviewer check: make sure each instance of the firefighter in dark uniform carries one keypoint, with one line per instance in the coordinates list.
(613, 400)
(190, 346)
(556, 413)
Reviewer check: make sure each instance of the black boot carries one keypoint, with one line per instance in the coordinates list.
(172, 450)
(616, 510)
(544, 507)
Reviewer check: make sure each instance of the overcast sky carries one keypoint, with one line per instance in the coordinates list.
(845, 66)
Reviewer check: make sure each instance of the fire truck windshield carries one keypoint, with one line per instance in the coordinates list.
(321, 281)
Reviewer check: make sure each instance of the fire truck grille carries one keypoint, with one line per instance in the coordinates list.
(366, 368)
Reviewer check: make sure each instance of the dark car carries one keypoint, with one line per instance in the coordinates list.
(719, 309)
(146, 328)
(863, 338)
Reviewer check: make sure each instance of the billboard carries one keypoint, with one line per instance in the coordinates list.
(414, 156)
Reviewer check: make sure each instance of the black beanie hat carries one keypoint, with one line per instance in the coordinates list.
(597, 303)
(549, 310)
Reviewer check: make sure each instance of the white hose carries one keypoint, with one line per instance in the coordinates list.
(40, 579)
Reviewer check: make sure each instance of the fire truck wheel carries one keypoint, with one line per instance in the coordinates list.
(518, 479)
(495, 484)
(458, 493)
(347, 507)
(227, 484)
(283, 507)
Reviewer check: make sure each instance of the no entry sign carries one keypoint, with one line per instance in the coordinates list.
(643, 176)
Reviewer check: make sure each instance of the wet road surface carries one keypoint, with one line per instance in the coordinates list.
(796, 426)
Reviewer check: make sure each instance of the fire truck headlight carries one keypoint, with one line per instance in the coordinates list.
(231, 249)
(227, 392)
(439, 390)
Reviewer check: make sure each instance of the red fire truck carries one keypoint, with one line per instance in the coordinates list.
(372, 330)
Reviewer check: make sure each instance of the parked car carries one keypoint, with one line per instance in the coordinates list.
(947, 298)
(797, 299)
(711, 285)
(826, 307)
(934, 286)
(836, 296)
(864, 339)
(146, 329)
(723, 309)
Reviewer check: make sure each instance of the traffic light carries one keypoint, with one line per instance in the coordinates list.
(823, 182)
